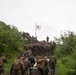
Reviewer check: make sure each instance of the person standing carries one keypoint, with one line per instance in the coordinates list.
(52, 63)
(47, 39)
(41, 67)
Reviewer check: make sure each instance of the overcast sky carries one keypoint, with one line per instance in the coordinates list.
(53, 16)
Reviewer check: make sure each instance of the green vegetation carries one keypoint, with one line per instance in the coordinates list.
(12, 42)
(66, 54)
(10, 39)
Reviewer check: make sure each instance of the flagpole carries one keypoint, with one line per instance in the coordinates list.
(37, 27)
(35, 30)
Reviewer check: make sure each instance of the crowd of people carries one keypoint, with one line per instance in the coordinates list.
(27, 64)
(36, 59)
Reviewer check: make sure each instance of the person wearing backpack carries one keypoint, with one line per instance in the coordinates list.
(27, 64)
(31, 59)
(52, 63)
(41, 68)
(17, 68)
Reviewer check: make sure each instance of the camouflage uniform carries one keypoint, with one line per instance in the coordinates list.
(27, 64)
(30, 57)
(41, 68)
(19, 71)
(52, 63)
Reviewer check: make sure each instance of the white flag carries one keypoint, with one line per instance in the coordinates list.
(38, 27)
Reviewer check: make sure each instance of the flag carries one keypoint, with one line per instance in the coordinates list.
(38, 27)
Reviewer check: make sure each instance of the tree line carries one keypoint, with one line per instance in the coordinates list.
(66, 53)
(10, 38)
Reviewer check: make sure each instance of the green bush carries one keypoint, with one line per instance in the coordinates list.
(61, 68)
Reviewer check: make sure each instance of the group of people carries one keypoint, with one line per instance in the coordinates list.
(27, 64)
(36, 59)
